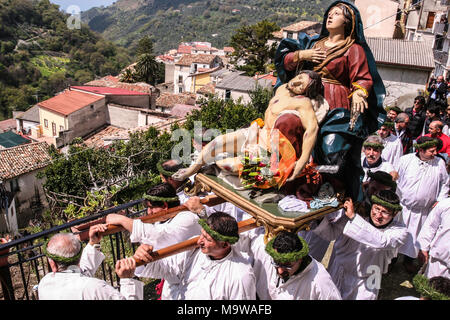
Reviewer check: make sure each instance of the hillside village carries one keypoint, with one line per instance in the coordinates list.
(408, 50)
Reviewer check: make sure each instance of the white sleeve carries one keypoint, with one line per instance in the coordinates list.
(97, 289)
(132, 289)
(429, 228)
(444, 181)
(182, 227)
(171, 268)
(91, 259)
(362, 231)
(331, 226)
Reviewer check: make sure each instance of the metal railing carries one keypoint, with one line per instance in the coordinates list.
(23, 264)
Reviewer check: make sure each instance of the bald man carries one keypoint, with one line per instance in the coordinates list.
(436, 132)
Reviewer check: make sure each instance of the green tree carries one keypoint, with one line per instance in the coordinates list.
(147, 68)
(250, 45)
(145, 46)
(260, 98)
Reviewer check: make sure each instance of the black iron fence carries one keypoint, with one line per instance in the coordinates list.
(23, 264)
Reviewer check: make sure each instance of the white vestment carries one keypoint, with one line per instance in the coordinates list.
(317, 245)
(384, 166)
(393, 149)
(77, 283)
(361, 253)
(313, 283)
(419, 186)
(434, 237)
(195, 276)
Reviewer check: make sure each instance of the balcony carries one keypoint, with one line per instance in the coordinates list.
(439, 28)
(23, 264)
(441, 57)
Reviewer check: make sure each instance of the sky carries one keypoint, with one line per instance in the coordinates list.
(82, 4)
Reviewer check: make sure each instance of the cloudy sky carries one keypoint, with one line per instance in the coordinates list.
(83, 4)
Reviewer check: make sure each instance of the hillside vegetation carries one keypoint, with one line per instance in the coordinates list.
(169, 22)
(40, 55)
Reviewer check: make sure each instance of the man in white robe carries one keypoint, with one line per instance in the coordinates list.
(290, 273)
(393, 148)
(72, 276)
(363, 247)
(423, 180)
(434, 241)
(214, 271)
(371, 159)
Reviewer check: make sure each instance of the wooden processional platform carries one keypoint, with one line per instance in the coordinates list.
(268, 215)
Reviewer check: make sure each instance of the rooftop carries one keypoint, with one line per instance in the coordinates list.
(113, 82)
(184, 49)
(11, 139)
(23, 159)
(7, 125)
(69, 101)
(300, 26)
(242, 83)
(228, 49)
(268, 76)
(169, 100)
(31, 114)
(207, 89)
(189, 59)
(182, 110)
(109, 91)
(406, 53)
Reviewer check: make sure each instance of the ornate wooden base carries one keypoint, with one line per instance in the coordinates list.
(273, 224)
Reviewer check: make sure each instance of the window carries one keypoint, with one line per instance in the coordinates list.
(439, 43)
(61, 128)
(54, 129)
(180, 90)
(430, 20)
(46, 123)
(227, 94)
(14, 185)
(290, 35)
(180, 79)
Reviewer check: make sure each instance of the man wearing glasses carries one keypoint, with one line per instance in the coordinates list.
(364, 246)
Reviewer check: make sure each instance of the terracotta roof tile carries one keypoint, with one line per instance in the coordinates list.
(299, 26)
(22, 159)
(109, 91)
(7, 125)
(182, 110)
(69, 101)
(168, 100)
(189, 59)
(184, 49)
(207, 89)
(107, 82)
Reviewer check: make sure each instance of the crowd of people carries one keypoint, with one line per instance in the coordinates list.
(405, 214)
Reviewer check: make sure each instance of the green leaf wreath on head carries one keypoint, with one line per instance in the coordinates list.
(215, 235)
(422, 285)
(288, 256)
(59, 259)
